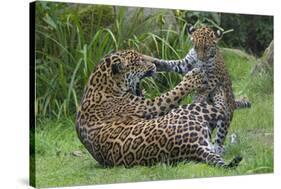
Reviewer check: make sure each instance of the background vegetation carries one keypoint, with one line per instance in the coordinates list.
(72, 38)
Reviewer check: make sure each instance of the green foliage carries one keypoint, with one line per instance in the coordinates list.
(66, 54)
(250, 32)
(205, 18)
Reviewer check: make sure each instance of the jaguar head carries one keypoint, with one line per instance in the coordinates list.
(204, 41)
(129, 68)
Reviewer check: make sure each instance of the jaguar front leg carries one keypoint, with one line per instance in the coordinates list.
(159, 106)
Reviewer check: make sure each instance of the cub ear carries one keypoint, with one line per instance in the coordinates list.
(219, 34)
(116, 68)
(190, 29)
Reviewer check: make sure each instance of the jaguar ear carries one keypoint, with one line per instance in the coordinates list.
(219, 34)
(190, 29)
(116, 68)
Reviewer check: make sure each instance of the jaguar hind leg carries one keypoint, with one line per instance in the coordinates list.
(211, 158)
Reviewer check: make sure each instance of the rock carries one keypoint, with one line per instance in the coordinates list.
(165, 17)
(266, 61)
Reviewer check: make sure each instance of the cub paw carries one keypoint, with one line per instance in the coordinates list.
(242, 102)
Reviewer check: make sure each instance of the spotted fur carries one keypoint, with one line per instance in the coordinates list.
(118, 127)
(206, 55)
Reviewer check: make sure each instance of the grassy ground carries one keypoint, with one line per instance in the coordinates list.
(61, 160)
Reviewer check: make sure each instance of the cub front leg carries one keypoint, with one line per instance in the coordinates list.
(181, 66)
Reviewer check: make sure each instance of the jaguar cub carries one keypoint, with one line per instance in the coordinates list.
(206, 55)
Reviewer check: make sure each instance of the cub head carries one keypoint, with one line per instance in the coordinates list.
(204, 41)
(129, 67)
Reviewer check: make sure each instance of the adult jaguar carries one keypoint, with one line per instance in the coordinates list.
(206, 54)
(118, 127)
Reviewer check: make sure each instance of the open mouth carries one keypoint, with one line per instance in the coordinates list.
(138, 90)
(149, 73)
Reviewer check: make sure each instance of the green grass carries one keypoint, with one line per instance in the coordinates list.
(56, 141)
